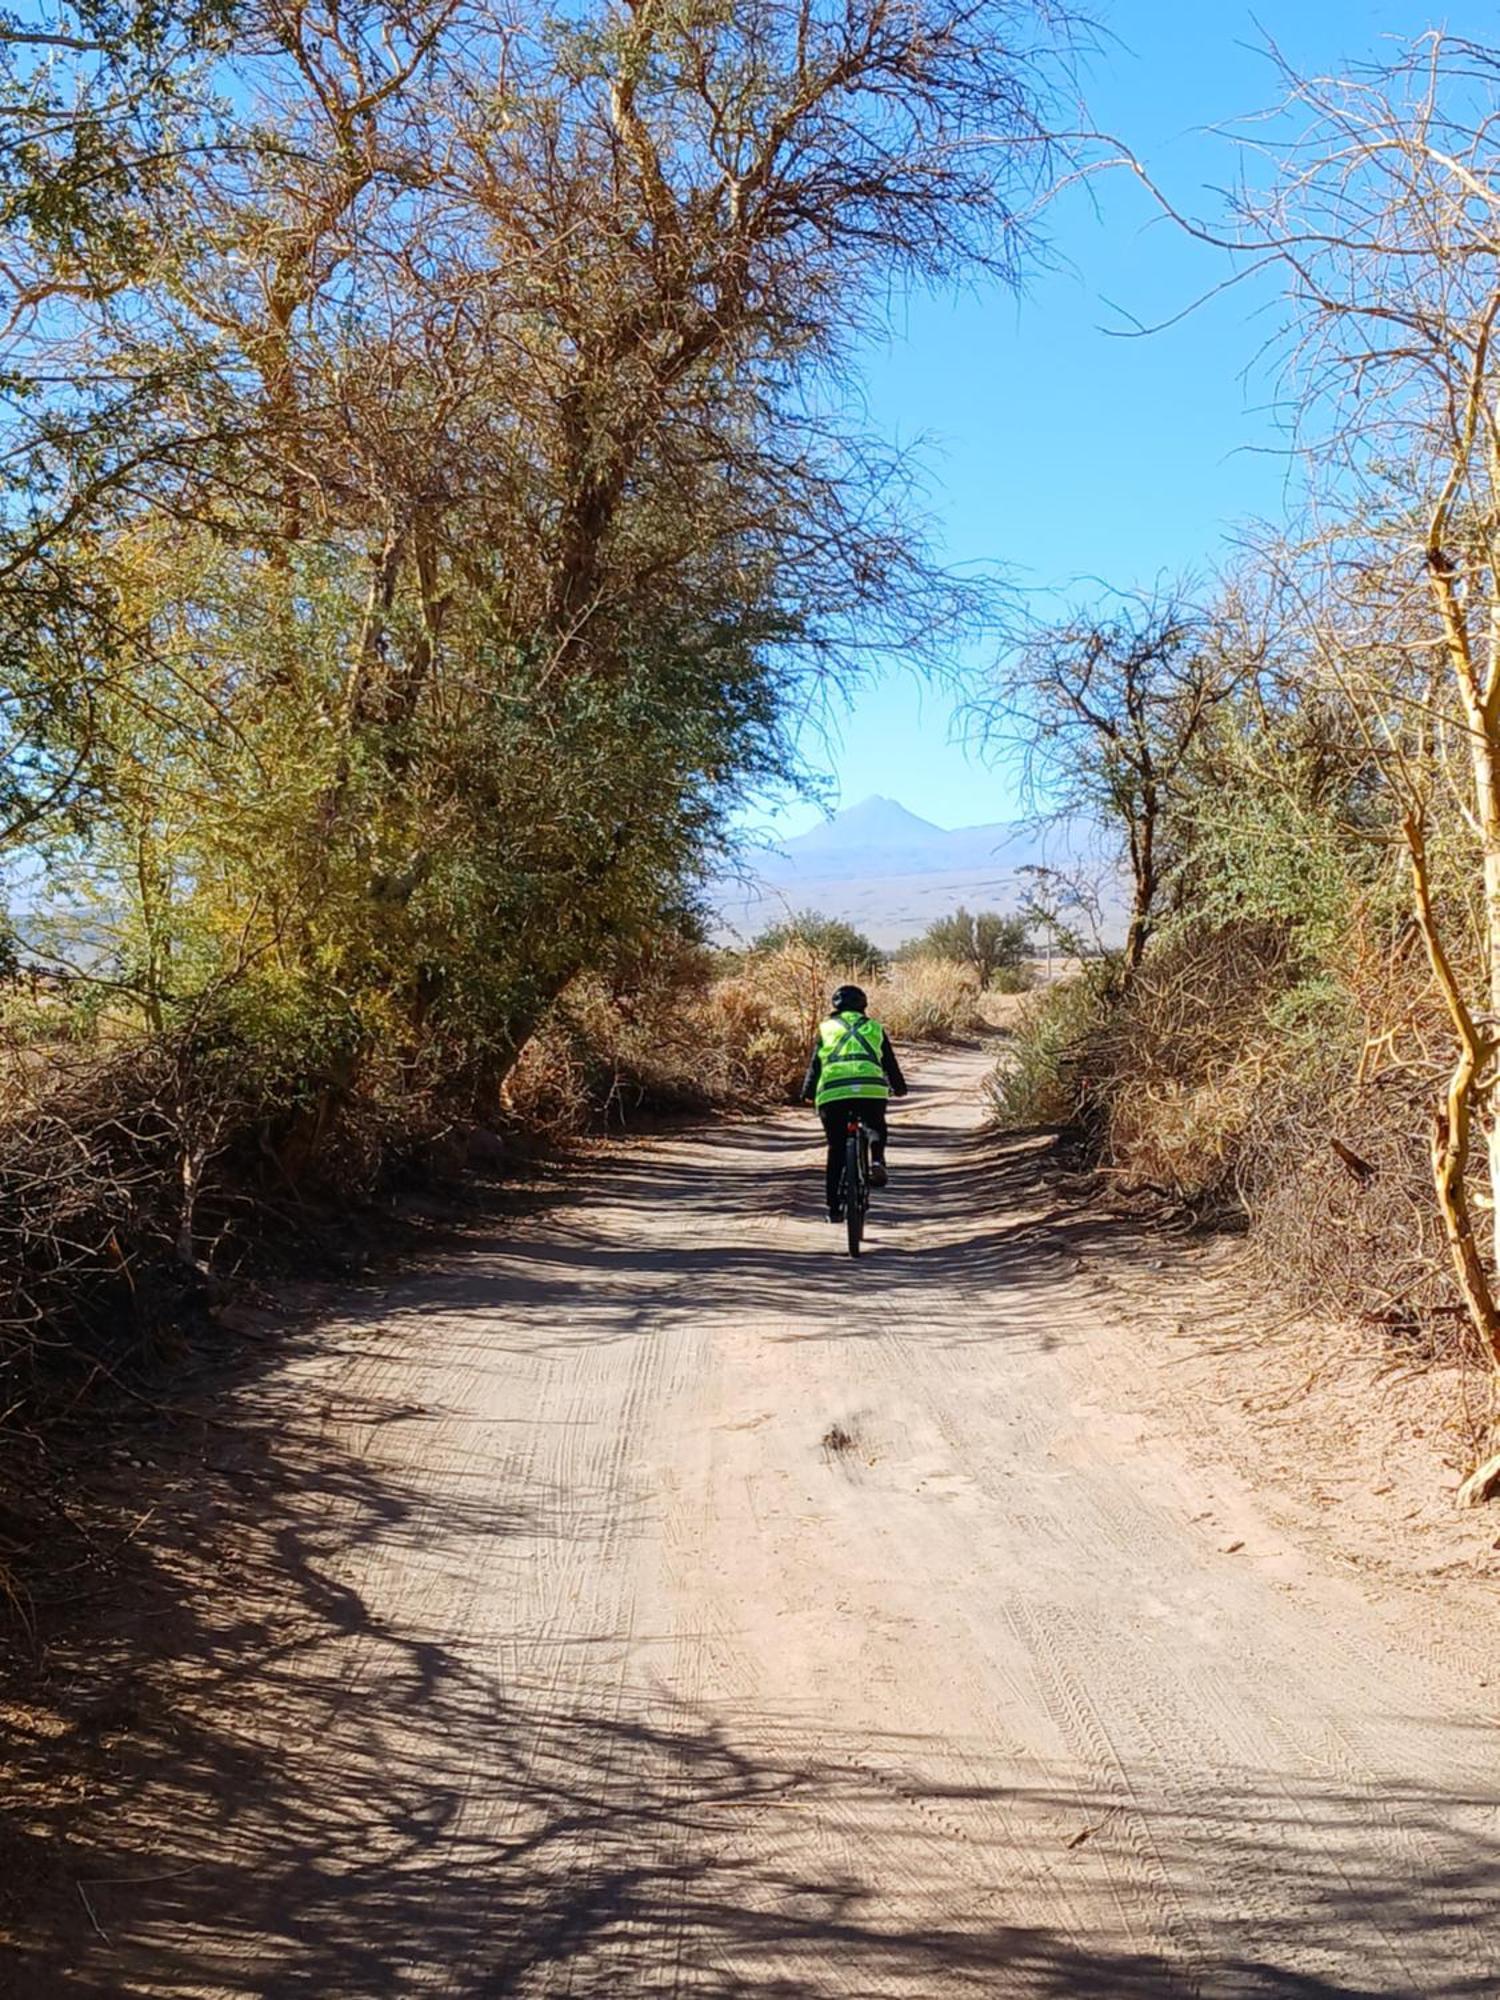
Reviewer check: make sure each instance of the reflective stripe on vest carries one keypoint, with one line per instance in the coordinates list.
(850, 1046)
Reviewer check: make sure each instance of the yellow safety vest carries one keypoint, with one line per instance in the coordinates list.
(850, 1047)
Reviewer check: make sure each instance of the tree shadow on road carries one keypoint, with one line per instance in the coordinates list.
(249, 1783)
(658, 1236)
(276, 1793)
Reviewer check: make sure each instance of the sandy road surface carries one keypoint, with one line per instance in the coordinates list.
(609, 1676)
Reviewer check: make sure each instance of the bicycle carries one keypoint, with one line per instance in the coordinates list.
(855, 1187)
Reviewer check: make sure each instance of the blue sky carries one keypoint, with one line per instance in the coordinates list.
(1066, 453)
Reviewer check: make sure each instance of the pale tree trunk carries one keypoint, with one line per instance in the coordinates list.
(1453, 1123)
(365, 687)
(1487, 787)
(1471, 1086)
(1484, 1481)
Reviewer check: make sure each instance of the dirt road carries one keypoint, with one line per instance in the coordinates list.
(681, 1609)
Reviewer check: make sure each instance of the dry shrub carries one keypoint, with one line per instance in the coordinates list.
(1336, 1176)
(1184, 1138)
(1181, 1063)
(1232, 1077)
(87, 1151)
(1041, 1080)
(1355, 1228)
(769, 1011)
(1163, 1080)
(602, 1056)
(928, 1000)
(678, 1039)
(134, 1172)
(112, 1187)
(759, 1044)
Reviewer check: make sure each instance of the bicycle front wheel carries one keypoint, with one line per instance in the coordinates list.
(855, 1193)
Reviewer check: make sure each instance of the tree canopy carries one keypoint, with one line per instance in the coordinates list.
(830, 937)
(429, 489)
(986, 942)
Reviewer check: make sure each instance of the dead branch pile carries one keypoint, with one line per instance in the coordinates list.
(1231, 1077)
(92, 1166)
(1178, 1064)
(133, 1178)
(103, 1162)
(1336, 1172)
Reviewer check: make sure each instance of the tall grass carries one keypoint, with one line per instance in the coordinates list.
(1041, 1079)
(690, 1040)
(928, 1000)
(1234, 1075)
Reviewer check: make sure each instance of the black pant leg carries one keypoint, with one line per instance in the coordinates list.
(875, 1113)
(835, 1119)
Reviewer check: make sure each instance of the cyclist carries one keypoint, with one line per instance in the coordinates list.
(852, 1062)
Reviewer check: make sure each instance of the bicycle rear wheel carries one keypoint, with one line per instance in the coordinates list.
(856, 1192)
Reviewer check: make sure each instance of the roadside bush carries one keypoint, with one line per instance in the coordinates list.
(1335, 1173)
(1234, 1075)
(680, 1039)
(927, 1000)
(768, 1015)
(990, 945)
(133, 1173)
(1173, 1073)
(1013, 979)
(1180, 1063)
(833, 940)
(1042, 1077)
(677, 1040)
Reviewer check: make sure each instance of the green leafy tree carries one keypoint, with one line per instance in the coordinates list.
(989, 944)
(450, 516)
(101, 101)
(839, 942)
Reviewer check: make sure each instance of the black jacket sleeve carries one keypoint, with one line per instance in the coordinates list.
(892, 1068)
(810, 1081)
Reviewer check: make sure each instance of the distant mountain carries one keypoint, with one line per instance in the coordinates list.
(880, 837)
(890, 872)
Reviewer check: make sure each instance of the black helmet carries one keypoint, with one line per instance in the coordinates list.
(849, 1000)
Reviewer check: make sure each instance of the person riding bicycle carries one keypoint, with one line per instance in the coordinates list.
(852, 1063)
